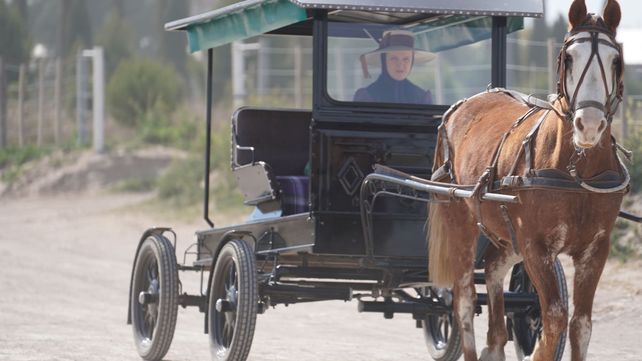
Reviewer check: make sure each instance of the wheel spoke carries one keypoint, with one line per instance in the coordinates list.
(446, 332)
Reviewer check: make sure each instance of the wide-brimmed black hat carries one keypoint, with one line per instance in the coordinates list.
(394, 40)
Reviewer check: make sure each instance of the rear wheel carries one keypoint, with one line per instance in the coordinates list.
(154, 298)
(441, 331)
(233, 302)
(526, 327)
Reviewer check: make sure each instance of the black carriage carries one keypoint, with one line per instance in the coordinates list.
(354, 226)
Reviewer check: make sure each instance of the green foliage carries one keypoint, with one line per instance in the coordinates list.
(183, 186)
(117, 38)
(141, 86)
(176, 130)
(180, 186)
(634, 143)
(14, 35)
(15, 156)
(620, 248)
(13, 159)
(135, 185)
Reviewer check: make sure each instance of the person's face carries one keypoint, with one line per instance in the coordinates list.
(399, 63)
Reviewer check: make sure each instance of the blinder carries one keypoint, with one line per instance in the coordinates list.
(614, 94)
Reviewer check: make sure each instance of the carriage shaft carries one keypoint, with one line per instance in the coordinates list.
(445, 189)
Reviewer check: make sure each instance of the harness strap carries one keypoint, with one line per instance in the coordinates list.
(527, 143)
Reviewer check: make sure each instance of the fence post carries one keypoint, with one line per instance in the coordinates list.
(21, 94)
(57, 91)
(3, 118)
(41, 98)
(550, 55)
(298, 75)
(98, 99)
(80, 99)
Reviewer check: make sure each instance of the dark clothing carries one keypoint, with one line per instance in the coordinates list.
(387, 90)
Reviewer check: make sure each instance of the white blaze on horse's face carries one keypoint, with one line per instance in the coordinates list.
(590, 122)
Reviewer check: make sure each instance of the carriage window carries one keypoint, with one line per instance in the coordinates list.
(438, 61)
(273, 70)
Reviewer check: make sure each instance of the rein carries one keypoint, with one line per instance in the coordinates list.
(614, 94)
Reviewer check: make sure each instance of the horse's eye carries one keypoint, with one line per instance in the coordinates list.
(568, 60)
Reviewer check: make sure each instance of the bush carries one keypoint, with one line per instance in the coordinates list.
(177, 130)
(141, 86)
(634, 143)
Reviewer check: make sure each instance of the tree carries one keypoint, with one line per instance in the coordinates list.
(14, 50)
(14, 35)
(172, 45)
(117, 38)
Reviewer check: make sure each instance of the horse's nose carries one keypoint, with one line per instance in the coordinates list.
(578, 124)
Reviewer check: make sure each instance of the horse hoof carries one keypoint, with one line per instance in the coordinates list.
(487, 355)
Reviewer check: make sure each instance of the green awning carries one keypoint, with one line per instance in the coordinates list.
(237, 22)
(454, 31)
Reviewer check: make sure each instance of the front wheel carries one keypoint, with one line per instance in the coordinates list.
(526, 327)
(233, 302)
(154, 297)
(441, 331)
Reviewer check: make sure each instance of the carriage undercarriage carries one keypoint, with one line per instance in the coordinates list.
(287, 271)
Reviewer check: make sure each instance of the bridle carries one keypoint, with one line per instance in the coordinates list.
(614, 94)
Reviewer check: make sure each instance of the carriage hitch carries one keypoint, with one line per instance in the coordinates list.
(630, 217)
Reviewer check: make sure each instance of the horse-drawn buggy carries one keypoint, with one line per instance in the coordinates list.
(340, 191)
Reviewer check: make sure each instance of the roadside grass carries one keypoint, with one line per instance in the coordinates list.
(14, 159)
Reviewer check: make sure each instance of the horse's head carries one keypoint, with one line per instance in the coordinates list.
(590, 66)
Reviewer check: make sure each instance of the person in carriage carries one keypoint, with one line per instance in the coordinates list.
(396, 55)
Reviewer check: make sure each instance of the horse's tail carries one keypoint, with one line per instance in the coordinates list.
(439, 265)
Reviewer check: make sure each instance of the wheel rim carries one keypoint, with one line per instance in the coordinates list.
(224, 321)
(440, 331)
(147, 298)
(528, 324)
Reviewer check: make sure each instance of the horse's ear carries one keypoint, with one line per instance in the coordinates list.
(577, 13)
(612, 15)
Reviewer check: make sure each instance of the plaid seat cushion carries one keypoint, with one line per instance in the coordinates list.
(294, 194)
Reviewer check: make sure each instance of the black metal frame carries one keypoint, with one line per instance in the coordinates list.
(289, 276)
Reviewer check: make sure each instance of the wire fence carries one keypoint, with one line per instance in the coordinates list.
(48, 101)
(40, 101)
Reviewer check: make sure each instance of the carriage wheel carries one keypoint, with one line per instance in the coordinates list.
(233, 303)
(526, 327)
(441, 332)
(154, 298)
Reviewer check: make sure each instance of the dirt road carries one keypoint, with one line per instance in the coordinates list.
(66, 263)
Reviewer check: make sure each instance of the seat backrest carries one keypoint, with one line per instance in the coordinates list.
(280, 138)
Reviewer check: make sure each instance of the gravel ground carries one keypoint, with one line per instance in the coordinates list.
(66, 263)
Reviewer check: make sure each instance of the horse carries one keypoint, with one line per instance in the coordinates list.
(561, 161)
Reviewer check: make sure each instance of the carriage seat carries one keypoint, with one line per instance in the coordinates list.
(270, 148)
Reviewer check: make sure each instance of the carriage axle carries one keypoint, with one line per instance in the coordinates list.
(513, 303)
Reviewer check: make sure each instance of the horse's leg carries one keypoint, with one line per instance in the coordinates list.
(589, 264)
(452, 238)
(540, 265)
(464, 295)
(498, 263)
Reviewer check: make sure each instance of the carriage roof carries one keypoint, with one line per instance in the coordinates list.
(253, 17)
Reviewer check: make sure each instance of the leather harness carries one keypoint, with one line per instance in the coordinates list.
(606, 182)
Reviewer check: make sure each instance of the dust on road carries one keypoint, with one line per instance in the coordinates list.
(66, 263)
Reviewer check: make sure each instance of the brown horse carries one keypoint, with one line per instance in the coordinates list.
(560, 159)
